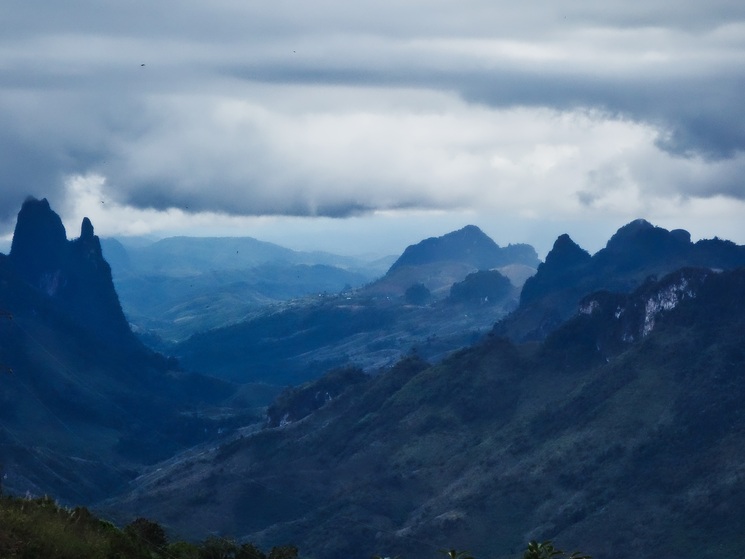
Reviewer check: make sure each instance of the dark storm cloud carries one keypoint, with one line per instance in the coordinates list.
(137, 93)
(698, 113)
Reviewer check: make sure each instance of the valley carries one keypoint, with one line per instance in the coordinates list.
(463, 395)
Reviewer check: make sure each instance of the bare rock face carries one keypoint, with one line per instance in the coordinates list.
(637, 252)
(72, 273)
(39, 243)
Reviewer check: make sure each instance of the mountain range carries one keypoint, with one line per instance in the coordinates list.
(636, 252)
(463, 284)
(178, 286)
(603, 410)
(620, 434)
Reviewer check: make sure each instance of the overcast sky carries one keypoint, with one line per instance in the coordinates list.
(366, 126)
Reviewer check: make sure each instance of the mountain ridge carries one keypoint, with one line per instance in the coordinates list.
(637, 251)
(374, 325)
(83, 404)
(566, 440)
(468, 244)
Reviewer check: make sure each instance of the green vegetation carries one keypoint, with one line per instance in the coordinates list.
(546, 550)
(485, 287)
(535, 550)
(417, 294)
(31, 528)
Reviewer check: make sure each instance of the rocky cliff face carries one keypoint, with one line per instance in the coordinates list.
(637, 252)
(632, 317)
(39, 244)
(83, 405)
(72, 273)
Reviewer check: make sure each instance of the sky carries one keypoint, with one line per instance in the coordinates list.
(362, 127)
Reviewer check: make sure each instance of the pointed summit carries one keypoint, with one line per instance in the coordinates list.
(630, 234)
(566, 254)
(564, 263)
(38, 243)
(89, 245)
(86, 229)
(468, 245)
(73, 273)
(638, 243)
(641, 233)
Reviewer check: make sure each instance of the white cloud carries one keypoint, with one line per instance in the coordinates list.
(552, 112)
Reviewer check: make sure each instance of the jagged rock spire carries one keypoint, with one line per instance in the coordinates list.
(72, 273)
(86, 229)
(39, 241)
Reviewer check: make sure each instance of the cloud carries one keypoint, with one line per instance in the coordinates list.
(340, 109)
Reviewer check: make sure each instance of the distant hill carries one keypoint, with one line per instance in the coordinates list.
(636, 252)
(84, 404)
(373, 326)
(469, 244)
(439, 262)
(622, 435)
(179, 286)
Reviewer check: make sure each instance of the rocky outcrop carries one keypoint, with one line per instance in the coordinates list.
(631, 317)
(72, 273)
(39, 245)
(636, 252)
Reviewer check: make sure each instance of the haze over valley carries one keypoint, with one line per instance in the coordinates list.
(470, 395)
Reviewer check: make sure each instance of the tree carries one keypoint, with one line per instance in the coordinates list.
(283, 552)
(455, 554)
(148, 533)
(216, 547)
(546, 550)
(250, 551)
(417, 294)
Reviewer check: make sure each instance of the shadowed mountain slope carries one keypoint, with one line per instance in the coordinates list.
(73, 274)
(439, 262)
(636, 252)
(83, 404)
(621, 435)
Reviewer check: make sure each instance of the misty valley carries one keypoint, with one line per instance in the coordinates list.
(216, 397)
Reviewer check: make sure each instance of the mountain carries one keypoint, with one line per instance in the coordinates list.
(73, 274)
(373, 326)
(83, 404)
(470, 245)
(178, 286)
(636, 252)
(622, 435)
(439, 262)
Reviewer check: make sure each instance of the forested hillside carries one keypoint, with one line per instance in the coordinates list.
(633, 407)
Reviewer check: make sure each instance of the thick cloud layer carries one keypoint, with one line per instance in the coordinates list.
(340, 109)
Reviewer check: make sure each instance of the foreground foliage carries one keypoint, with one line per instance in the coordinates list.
(32, 528)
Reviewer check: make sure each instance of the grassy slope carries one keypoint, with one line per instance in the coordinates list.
(638, 456)
(42, 528)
